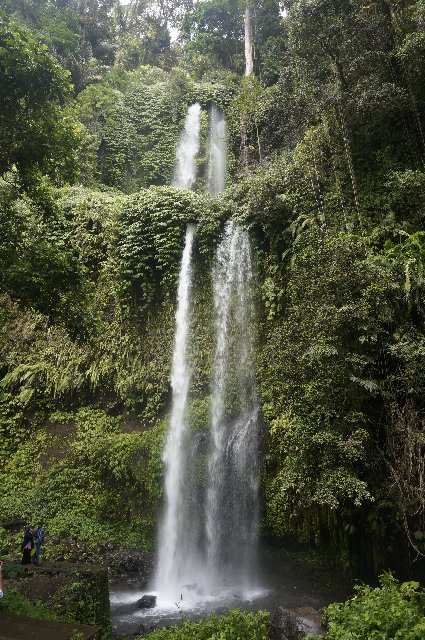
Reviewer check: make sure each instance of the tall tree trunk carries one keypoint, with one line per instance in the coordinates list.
(249, 42)
(249, 70)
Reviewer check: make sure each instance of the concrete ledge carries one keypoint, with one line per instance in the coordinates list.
(13, 627)
(73, 591)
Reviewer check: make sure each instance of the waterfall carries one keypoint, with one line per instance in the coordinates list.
(187, 150)
(216, 177)
(175, 542)
(232, 514)
(208, 534)
(172, 533)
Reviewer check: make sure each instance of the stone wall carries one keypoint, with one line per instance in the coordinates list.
(76, 592)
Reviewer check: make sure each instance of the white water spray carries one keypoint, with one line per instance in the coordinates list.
(232, 515)
(185, 170)
(217, 141)
(170, 557)
(173, 538)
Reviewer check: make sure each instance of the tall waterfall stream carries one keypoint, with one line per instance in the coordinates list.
(174, 529)
(208, 536)
(208, 540)
(232, 489)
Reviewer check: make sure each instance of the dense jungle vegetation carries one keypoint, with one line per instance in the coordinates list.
(326, 170)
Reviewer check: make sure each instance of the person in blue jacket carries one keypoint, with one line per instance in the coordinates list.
(38, 541)
(1, 580)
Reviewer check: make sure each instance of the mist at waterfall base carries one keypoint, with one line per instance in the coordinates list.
(281, 582)
(209, 531)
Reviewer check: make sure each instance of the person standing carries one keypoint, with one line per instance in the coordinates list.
(39, 541)
(27, 545)
(1, 580)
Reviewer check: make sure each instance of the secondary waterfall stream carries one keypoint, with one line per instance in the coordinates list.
(209, 530)
(187, 150)
(232, 490)
(172, 533)
(217, 141)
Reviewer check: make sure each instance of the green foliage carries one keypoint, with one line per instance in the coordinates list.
(85, 601)
(214, 28)
(15, 602)
(392, 611)
(233, 626)
(151, 238)
(13, 427)
(37, 134)
(269, 39)
(327, 381)
(97, 483)
(199, 414)
(12, 571)
(91, 216)
(40, 266)
(251, 103)
(135, 122)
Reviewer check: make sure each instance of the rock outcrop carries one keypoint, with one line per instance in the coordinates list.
(294, 624)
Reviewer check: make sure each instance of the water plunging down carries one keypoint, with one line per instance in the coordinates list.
(217, 141)
(172, 533)
(174, 537)
(209, 531)
(232, 513)
(185, 170)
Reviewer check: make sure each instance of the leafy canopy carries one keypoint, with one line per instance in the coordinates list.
(37, 133)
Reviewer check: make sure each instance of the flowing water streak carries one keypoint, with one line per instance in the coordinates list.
(174, 535)
(174, 454)
(217, 142)
(232, 513)
(185, 170)
(199, 549)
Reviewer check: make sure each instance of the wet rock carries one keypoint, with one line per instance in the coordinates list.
(284, 626)
(146, 602)
(132, 634)
(122, 562)
(309, 620)
(294, 624)
(141, 630)
(105, 547)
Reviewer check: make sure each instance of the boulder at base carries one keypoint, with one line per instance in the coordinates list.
(294, 624)
(146, 602)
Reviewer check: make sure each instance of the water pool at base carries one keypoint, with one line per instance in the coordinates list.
(282, 583)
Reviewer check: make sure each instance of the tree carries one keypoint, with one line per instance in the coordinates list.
(37, 133)
(216, 28)
(249, 41)
(81, 34)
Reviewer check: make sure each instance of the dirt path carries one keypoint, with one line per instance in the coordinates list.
(13, 627)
